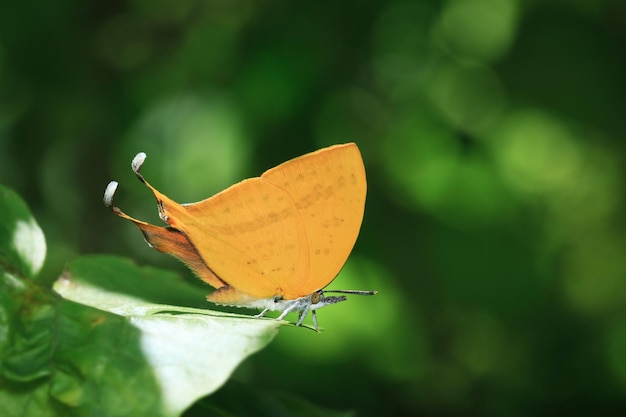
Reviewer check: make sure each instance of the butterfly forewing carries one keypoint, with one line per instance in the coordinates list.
(328, 188)
(250, 235)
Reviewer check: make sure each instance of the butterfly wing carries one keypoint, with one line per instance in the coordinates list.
(172, 242)
(250, 235)
(287, 233)
(328, 188)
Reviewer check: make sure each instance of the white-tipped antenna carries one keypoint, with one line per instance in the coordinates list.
(138, 161)
(109, 192)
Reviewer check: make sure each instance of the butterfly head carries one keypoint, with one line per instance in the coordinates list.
(311, 302)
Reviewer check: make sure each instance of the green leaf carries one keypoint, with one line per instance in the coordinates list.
(191, 351)
(22, 243)
(131, 355)
(59, 357)
(107, 282)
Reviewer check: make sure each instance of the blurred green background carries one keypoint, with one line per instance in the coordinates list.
(492, 133)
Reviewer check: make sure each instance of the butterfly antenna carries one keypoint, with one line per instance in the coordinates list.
(357, 292)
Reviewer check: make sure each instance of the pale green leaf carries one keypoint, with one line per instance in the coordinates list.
(192, 351)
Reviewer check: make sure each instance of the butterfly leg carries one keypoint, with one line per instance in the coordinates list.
(262, 313)
(313, 313)
(287, 311)
(302, 315)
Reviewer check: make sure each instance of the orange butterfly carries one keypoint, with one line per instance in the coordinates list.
(271, 242)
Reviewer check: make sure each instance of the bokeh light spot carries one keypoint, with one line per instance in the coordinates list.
(537, 152)
(469, 96)
(195, 146)
(478, 29)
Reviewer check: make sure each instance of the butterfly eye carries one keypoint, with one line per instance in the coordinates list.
(316, 297)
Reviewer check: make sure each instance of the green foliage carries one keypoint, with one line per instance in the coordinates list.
(103, 349)
(22, 244)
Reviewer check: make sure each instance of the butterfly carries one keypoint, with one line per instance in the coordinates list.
(272, 242)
